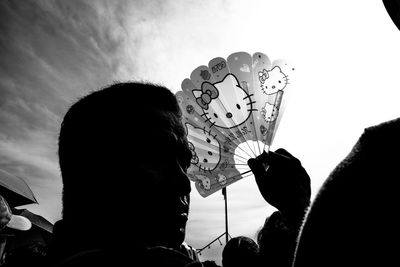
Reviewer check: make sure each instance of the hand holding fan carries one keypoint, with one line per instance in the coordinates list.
(231, 110)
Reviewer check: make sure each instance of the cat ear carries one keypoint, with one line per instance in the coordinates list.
(276, 69)
(197, 93)
(231, 78)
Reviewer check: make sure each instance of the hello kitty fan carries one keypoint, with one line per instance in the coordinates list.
(231, 110)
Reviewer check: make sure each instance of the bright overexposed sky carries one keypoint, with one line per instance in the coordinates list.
(345, 53)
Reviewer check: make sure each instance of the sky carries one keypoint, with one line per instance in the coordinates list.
(53, 52)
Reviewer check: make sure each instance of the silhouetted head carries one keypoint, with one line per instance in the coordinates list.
(240, 251)
(123, 155)
(393, 8)
(353, 219)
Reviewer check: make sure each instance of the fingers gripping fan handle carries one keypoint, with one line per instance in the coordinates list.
(231, 110)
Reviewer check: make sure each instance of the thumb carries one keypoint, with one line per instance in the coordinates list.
(256, 166)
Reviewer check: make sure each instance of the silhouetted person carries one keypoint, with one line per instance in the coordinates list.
(353, 220)
(393, 9)
(285, 185)
(31, 254)
(240, 251)
(123, 156)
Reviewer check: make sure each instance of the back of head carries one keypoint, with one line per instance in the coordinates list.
(240, 251)
(102, 138)
(393, 9)
(353, 220)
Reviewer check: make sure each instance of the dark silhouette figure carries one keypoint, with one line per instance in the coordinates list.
(123, 156)
(240, 251)
(393, 9)
(284, 184)
(32, 254)
(353, 220)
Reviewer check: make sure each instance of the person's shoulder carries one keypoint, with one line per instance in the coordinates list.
(189, 251)
(371, 157)
(382, 139)
(387, 130)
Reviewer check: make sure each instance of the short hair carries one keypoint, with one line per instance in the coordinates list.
(353, 220)
(100, 135)
(240, 251)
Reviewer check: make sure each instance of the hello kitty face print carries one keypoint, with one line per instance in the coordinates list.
(225, 104)
(206, 151)
(269, 112)
(232, 107)
(273, 80)
(205, 182)
(221, 179)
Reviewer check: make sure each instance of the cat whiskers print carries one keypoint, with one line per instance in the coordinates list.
(206, 151)
(225, 104)
(232, 108)
(273, 81)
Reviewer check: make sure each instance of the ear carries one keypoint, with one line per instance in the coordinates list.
(197, 93)
(276, 69)
(232, 79)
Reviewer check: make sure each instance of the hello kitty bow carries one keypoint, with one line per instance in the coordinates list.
(207, 93)
(263, 75)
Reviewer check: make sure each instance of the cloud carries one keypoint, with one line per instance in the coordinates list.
(52, 52)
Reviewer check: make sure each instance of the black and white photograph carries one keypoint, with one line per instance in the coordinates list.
(205, 133)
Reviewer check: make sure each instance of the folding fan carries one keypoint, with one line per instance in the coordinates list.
(231, 110)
